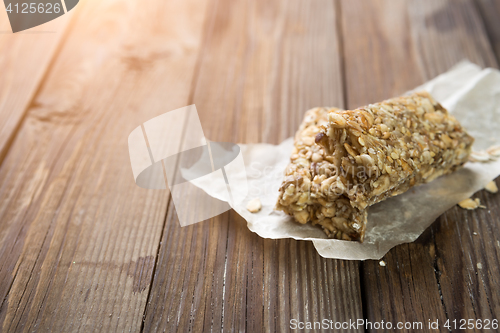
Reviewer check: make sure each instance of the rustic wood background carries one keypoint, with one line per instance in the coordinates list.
(84, 249)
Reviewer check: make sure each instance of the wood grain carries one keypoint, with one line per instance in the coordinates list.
(380, 60)
(78, 238)
(445, 32)
(30, 51)
(435, 277)
(262, 66)
(490, 11)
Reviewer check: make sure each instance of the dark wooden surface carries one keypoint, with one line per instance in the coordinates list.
(84, 249)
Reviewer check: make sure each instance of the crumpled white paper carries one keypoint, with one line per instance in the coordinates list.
(473, 97)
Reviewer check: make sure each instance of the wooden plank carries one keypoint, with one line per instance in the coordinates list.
(380, 59)
(263, 65)
(24, 60)
(490, 11)
(446, 32)
(399, 46)
(78, 238)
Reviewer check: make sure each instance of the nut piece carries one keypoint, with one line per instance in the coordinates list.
(470, 204)
(491, 187)
(254, 205)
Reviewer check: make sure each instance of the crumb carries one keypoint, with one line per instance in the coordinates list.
(381, 263)
(491, 187)
(471, 204)
(474, 233)
(479, 266)
(254, 205)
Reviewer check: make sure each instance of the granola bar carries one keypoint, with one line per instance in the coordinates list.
(383, 149)
(304, 193)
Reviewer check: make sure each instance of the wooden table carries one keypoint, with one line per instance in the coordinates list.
(84, 249)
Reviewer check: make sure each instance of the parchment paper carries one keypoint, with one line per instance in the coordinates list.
(473, 97)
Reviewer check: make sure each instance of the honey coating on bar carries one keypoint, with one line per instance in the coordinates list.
(383, 149)
(305, 193)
